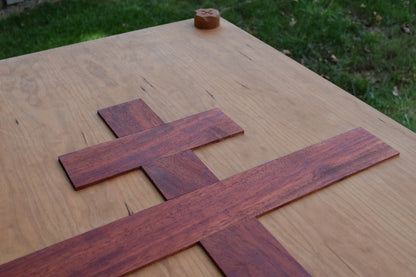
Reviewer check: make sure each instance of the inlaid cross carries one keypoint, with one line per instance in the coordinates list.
(219, 214)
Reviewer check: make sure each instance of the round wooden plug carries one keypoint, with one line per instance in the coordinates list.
(207, 18)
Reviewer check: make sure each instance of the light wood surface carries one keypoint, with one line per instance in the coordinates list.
(364, 225)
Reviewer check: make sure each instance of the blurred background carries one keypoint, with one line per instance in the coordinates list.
(368, 48)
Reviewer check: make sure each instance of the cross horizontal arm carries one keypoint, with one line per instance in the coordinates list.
(97, 163)
(135, 241)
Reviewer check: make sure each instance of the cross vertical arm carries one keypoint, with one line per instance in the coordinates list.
(184, 172)
(248, 249)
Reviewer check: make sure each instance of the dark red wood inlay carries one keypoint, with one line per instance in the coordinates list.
(97, 163)
(248, 249)
(184, 172)
(135, 241)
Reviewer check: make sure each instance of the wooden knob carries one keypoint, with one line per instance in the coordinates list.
(207, 18)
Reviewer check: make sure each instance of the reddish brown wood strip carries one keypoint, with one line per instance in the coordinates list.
(248, 249)
(179, 174)
(135, 241)
(130, 117)
(184, 172)
(93, 164)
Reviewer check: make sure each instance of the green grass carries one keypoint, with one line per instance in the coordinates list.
(364, 49)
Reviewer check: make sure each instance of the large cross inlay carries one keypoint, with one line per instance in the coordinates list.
(219, 214)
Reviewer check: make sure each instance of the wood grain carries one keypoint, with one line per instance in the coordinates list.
(97, 163)
(135, 241)
(235, 249)
(248, 249)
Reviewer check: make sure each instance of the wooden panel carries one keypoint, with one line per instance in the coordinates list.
(130, 117)
(140, 239)
(48, 106)
(248, 249)
(234, 249)
(93, 164)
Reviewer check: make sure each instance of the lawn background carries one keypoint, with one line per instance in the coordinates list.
(367, 48)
